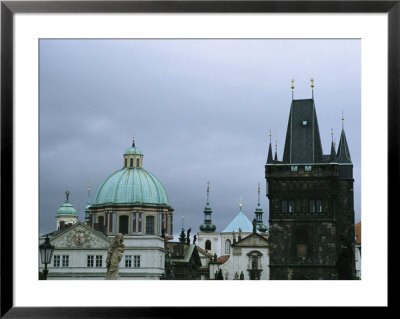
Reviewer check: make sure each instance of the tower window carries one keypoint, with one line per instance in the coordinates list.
(307, 168)
(131, 162)
(294, 168)
(208, 245)
(284, 206)
(123, 224)
(137, 162)
(312, 206)
(150, 225)
(227, 246)
(304, 122)
(126, 162)
(319, 206)
(291, 206)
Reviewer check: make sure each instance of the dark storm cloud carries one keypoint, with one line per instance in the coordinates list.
(200, 111)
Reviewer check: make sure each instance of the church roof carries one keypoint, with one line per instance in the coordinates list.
(303, 142)
(240, 221)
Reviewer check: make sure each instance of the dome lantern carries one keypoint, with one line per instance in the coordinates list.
(133, 157)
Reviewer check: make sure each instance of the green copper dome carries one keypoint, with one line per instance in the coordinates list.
(133, 151)
(67, 210)
(129, 186)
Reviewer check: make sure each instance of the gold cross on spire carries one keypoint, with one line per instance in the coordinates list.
(270, 136)
(292, 87)
(312, 82)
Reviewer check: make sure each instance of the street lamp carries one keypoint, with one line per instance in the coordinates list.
(46, 252)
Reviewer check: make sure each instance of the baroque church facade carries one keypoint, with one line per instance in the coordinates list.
(311, 209)
(131, 201)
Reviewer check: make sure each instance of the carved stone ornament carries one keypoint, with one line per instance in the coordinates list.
(80, 238)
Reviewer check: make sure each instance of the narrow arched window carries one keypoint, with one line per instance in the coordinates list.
(131, 162)
(126, 162)
(137, 162)
(208, 245)
(227, 246)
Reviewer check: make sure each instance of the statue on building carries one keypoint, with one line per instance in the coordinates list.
(236, 276)
(220, 275)
(115, 253)
(188, 235)
(241, 275)
(182, 236)
(194, 239)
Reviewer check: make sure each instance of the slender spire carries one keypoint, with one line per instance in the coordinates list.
(276, 150)
(292, 87)
(88, 194)
(269, 158)
(240, 203)
(208, 193)
(333, 151)
(343, 153)
(259, 212)
(312, 87)
(133, 142)
(208, 226)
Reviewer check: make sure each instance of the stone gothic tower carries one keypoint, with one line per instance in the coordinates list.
(311, 219)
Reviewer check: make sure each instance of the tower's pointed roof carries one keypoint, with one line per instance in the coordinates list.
(269, 159)
(303, 142)
(333, 153)
(343, 153)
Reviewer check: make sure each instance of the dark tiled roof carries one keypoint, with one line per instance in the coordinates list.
(303, 142)
(343, 153)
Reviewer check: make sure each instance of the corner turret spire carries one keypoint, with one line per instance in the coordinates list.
(259, 212)
(208, 226)
(276, 150)
(269, 158)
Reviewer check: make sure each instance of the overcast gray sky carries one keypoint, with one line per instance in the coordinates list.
(200, 110)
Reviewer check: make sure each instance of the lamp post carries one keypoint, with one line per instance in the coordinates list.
(46, 252)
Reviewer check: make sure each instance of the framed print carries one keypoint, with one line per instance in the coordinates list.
(269, 129)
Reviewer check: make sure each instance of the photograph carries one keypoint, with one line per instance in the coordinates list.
(199, 159)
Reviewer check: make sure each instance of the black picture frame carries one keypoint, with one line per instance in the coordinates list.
(9, 8)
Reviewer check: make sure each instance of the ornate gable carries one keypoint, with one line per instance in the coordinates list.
(80, 236)
(253, 240)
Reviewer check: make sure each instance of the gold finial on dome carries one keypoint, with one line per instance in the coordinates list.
(312, 82)
(133, 142)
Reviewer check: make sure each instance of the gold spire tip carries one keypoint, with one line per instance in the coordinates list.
(292, 87)
(312, 82)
